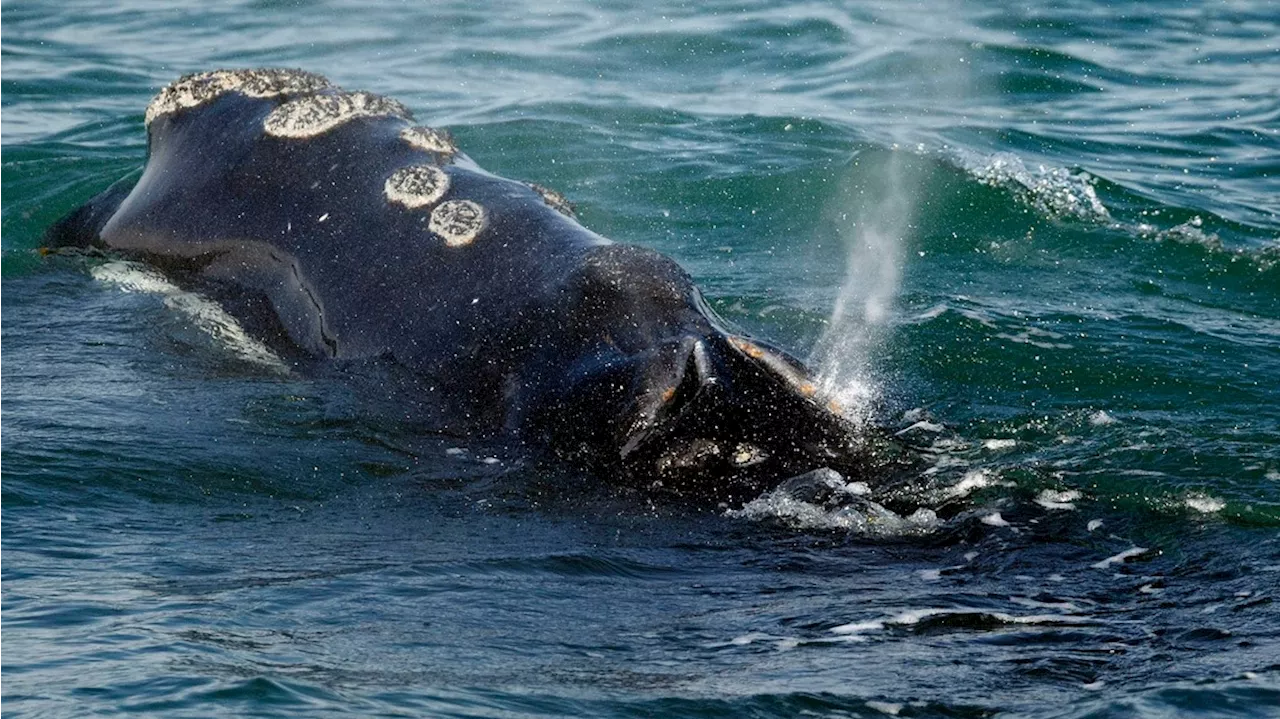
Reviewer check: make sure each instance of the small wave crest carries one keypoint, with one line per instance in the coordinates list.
(1056, 192)
(1060, 193)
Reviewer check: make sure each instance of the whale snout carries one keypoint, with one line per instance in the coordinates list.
(707, 415)
(733, 418)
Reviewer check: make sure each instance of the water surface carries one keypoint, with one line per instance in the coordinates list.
(1042, 243)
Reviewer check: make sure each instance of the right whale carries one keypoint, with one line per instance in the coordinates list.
(335, 229)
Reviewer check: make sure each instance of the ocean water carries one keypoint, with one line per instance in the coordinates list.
(1039, 243)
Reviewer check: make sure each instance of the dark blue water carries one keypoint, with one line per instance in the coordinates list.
(1040, 242)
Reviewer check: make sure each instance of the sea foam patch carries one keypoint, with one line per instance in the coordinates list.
(1055, 191)
(940, 616)
(823, 499)
(204, 314)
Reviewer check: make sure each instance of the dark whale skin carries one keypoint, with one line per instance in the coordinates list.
(528, 325)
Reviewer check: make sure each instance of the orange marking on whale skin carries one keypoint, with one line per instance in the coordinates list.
(807, 389)
(748, 348)
(668, 394)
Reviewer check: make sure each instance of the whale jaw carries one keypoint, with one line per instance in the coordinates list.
(712, 417)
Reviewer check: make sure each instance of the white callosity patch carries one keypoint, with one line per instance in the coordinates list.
(416, 186)
(196, 89)
(429, 139)
(203, 313)
(317, 114)
(459, 222)
(554, 200)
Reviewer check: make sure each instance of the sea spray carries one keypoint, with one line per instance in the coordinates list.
(872, 214)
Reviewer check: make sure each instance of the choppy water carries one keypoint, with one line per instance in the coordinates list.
(1064, 289)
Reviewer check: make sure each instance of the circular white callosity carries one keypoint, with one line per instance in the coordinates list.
(196, 89)
(416, 186)
(429, 139)
(317, 114)
(459, 222)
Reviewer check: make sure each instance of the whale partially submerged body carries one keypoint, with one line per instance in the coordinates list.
(333, 228)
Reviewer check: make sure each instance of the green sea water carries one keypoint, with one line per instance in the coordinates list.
(1039, 242)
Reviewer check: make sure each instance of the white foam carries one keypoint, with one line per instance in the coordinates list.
(1054, 191)
(921, 426)
(751, 638)
(203, 313)
(1068, 607)
(857, 489)
(1190, 232)
(889, 708)
(1052, 499)
(860, 515)
(859, 627)
(972, 481)
(1120, 558)
(912, 617)
(995, 520)
(999, 444)
(944, 462)
(1205, 504)
(1101, 418)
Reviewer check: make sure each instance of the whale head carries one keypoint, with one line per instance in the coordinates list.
(653, 388)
